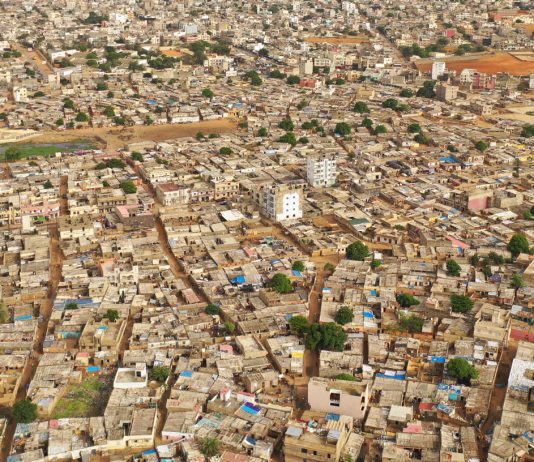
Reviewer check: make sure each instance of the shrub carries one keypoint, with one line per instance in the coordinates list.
(24, 411)
(344, 315)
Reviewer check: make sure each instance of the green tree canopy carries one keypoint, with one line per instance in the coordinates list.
(48, 184)
(342, 128)
(329, 336)
(411, 323)
(406, 300)
(528, 131)
(225, 151)
(357, 251)
(345, 376)
(212, 309)
(461, 303)
(128, 187)
(344, 315)
(517, 281)
(361, 107)
(24, 411)
(414, 128)
(462, 370)
(293, 79)
(209, 446)
(207, 93)
(229, 327)
(298, 266)
(453, 268)
(518, 244)
(482, 146)
(287, 125)
(299, 325)
(112, 315)
(137, 156)
(281, 283)
(406, 93)
(160, 373)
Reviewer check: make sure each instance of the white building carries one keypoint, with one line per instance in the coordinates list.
(321, 170)
(438, 69)
(282, 202)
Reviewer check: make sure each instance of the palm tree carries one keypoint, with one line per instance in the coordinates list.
(209, 446)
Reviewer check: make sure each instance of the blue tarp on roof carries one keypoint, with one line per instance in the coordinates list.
(332, 416)
(186, 374)
(437, 359)
(296, 273)
(275, 262)
(449, 159)
(251, 408)
(93, 368)
(443, 386)
(367, 314)
(374, 293)
(238, 279)
(151, 102)
(149, 451)
(24, 318)
(397, 376)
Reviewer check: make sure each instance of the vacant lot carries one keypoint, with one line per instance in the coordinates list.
(116, 138)
(86, 399)
(488, 62)
(346, 40)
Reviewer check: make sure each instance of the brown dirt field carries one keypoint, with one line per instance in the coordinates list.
(117, 137)
(490, 63)
(172, 53)
(528, 27)
(347, 40)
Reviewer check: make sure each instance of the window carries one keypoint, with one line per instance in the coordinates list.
(304, 450)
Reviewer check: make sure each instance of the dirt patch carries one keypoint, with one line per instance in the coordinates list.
(490, 63)
(346, 40)
(172, 53)
(116, 138)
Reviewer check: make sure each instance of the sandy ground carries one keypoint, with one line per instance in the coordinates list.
(489, 62)
(348, 40)
(118, 137)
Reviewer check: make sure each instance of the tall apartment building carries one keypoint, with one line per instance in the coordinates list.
(321, 170)
(438, 69)
(282, 202)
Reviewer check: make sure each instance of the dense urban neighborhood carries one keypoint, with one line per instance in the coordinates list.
(266, 231)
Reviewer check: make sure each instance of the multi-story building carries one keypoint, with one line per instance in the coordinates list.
(317, 443)
(282, 202)
(172, 194)
(321, 170)
(438, 69)
(445, 92)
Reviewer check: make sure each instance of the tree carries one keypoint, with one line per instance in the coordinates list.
(5, 316)
(281, 283)
(462, 370)
(112, 315)
(380, 129)
(517, 282)
(109, 112)
(528, 131)
(390, 103)
(361, 107)
(137, 156)
(345, 376)
(115, 162)
(276, 74)
(342, 128)
(200, 136)
(225, 151)
(329, 267)
(414, 128)
(482, 146)
(209, 446)
(427, 90)
(264, 52)
(101, 86)
(518, 244)
(71, 306)
(262, 132)
(160, 373)
(453, 268)
(461, 303)
(329, 336)
(59, 122)
(298, 266)
(287, 125)
(229, 327)
(24, 411)
(406, 93)
(422, 139)
(293, 80)
(375, 263)
(128, 187)
(288, 138)
(357, 251)
(367, 123)
(48, 184)
(212, 309)
(68, 103)
(12, 154)
(527, 215)
(207, 93)
(406, 300)
(496, 258)
(474, 260)
(81, 117)
(411, 323)
(344, 315)
(299, 325)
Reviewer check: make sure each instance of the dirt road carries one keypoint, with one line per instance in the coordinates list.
(116, 138)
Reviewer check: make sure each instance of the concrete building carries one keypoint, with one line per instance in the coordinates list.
(338, 396)
(445, 92)
(283, 202)
(172, 194)
(321, 170)
(438, 69)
